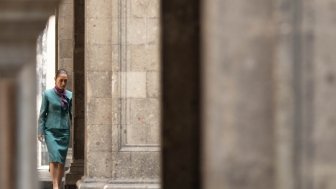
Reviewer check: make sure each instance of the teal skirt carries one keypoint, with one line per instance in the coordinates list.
(57, 141)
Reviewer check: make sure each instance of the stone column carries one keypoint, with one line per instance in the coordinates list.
(26, 123)
(122, 94)
(20, 26)
(65, 38)
(76, 170)
(269, 94)
(7, 133)
(98, 100)
(238, 138)
(181, 94)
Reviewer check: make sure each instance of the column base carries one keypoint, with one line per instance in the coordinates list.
(75, 173)
(90, 183)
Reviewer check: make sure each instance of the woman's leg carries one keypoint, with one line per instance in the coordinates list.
(60, 172)
(53, 171)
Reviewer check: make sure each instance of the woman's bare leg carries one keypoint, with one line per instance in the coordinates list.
(53, 171)
(60, 172)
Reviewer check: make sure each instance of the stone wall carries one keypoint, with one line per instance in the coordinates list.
(65, 37)
(122, 94)
(135, 92)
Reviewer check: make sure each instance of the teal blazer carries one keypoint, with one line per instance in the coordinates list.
(52, 115)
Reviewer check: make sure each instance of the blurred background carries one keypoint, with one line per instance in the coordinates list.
(186, 94)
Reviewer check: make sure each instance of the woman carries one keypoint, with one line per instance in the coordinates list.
(54, 125)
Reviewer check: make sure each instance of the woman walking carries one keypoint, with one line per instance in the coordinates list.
(54, 125)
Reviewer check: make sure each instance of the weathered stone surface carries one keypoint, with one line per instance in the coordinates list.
(143, 116)
(98, 164)
(65, 48)
(67, 64)
(115, 9)
(120, 168)
(145, 8)
(135, 84)
(99, 111)
(144, 31)
(99, 139)
(116, 128)
(115, 58)
(144, 57)
(115, 85)
(98, 57)
(145, 165)
(98, 61)
(65, 10)
(100, 83)
(132, 186)
(98, 31)
(130, 166)
(119, 106)
(65, 27)
(99, 9)
(115, 32)
(65, 38)
(153, 84)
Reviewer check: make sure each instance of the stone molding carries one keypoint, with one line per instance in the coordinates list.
(99, 183)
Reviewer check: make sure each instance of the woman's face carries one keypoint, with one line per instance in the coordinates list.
(61, 81)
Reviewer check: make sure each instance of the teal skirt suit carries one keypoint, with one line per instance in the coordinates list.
(54, 123)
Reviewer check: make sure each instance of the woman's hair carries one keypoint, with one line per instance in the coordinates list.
(60, 71)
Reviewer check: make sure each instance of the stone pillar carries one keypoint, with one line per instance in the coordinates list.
(7, 133)
(65, 38)
(122, 94)
(26, 123)
(20, 26)
(76, 170)
(98, 100)
(269, 94)
(238, 138)
(181, 94)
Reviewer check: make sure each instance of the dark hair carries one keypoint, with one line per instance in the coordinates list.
(60, 71)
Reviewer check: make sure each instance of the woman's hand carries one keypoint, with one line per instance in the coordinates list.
(40, 137)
